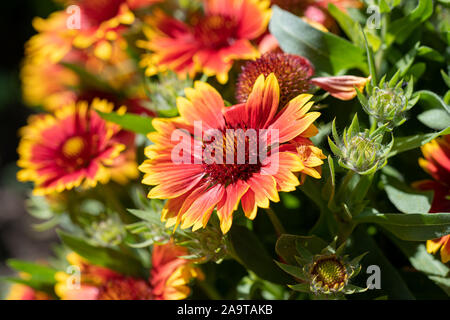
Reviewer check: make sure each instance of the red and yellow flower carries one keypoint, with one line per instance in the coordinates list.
(194, 189)
(209, 42)
(104, 21)
(436, 162)
(47, 84)
(170, 274)
(169, 279)
(73, 147)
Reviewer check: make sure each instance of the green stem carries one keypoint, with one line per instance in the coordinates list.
(210, 291)
(278, 226)
(344, 185)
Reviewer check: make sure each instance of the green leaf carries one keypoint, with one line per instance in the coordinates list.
(347, 24)
(437, 119)
(129, 121)
(403, 144)
(38, 273)
(106, 257)
(147, 215)
(292, 270)
(411, 227)
(400, 29)
(286, 246)
(422, 261)
(446, 78)
(432, 100)
(328, 52)
(430, 54)
(301, 287)
(392, 283)
(405, 198)
(251, 253)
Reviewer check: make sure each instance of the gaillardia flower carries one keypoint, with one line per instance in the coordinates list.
(19, 291)
(292, 71)
(103, 21)
(47, 84)
(225, 170)
(208, 42)
(436, 162)
(171, 274)
(72, 147)
(169, 279)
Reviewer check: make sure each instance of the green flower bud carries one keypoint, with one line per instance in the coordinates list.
(360, 151)
(205, 245)
(109, 231)
(388, 102)
(325, 273)
(164, 92)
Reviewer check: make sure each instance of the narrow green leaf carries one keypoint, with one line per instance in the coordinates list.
(38, 273)
(292, 270)
(129, 121)
(432, 100)
(301, 287)
(411, 227)
(103, 256)
(347, 24)
(400, 29)
(403, 144)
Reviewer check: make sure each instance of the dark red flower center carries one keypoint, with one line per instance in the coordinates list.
(215, 31)
(239, 154)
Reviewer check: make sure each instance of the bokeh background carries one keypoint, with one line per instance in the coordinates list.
(17, 237)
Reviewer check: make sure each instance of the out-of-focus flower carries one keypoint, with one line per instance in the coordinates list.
(73, 147)
(292, 72)
(104, 21)
(325, 273)
(47, 84)
(197, 186)
(208, 42)
(98, 283)
(22, 292)
(360, 151)
(54, 39)
(101, 23)
(341, 87)
(169, 279)
(171, 274)
(436, 162)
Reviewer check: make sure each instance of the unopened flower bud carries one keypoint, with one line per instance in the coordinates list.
(324, 273)
(388, 102)
(360, 151)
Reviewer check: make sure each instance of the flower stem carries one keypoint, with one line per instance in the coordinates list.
(210, 291)
(278, 226)
(344, 185)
